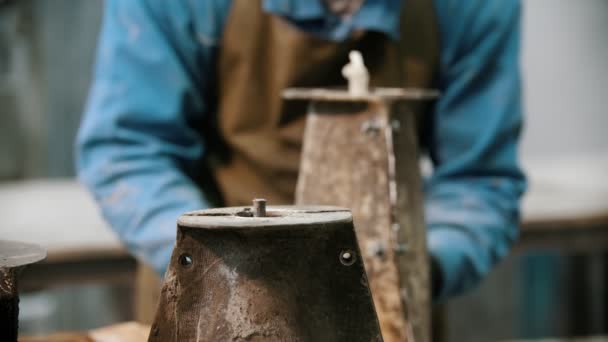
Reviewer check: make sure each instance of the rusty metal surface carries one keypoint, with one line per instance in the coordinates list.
(349, 159)
(13, 256)
(9, 304)
(408, 224)
(295, 274)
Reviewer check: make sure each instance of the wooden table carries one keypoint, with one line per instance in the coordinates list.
(566, 207)
(566, 211)
(62, 217)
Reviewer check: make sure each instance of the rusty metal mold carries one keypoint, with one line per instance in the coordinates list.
(294, 274)
(360, 152)
(13, 257)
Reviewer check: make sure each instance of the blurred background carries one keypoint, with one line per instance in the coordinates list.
(553, 285)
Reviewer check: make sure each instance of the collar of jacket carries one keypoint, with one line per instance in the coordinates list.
(312, 16)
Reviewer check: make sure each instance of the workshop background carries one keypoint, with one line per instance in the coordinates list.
(544, 289)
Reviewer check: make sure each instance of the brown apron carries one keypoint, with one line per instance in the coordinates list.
(261, 54)
(260, 135)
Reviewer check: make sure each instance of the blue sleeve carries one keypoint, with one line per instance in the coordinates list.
(137, 148)
(472, 198)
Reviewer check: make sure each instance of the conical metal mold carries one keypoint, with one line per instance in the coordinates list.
(295, 274)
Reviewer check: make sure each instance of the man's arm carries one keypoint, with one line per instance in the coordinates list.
(472, 203)
(136, 145)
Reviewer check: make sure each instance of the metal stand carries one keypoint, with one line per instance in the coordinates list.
(361, 152)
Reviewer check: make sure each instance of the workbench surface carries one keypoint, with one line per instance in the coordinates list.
(566, 189)
(62, 217)
(57, 214)
(566, 207)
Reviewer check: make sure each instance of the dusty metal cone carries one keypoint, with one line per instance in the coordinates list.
(294, 275)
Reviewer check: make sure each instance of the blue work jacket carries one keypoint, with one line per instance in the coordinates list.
(137, 147)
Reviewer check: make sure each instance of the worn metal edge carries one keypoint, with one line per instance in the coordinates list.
(277, 216)
(15, 253)
(376, 94)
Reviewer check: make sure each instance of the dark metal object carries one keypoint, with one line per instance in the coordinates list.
(259, 207)
(361, 152)
(294, 275)
(13, 256)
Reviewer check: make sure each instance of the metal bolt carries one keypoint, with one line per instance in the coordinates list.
(404, 295)
(371, 126)
(396, 125)
(376, 249)
(347, 257)
(155, 330)
(401, 248)
(259, 207)
(185, 260)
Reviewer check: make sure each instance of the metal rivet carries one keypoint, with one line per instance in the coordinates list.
(401, 248)
(371, 126)
(185, 260)
(347, 257)
(396, 125)
(377, 249)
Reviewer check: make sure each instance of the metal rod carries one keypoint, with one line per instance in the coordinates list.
(259, 207)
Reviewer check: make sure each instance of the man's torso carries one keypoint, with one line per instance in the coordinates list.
(261, 53)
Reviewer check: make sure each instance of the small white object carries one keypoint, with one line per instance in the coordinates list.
(356, 73)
